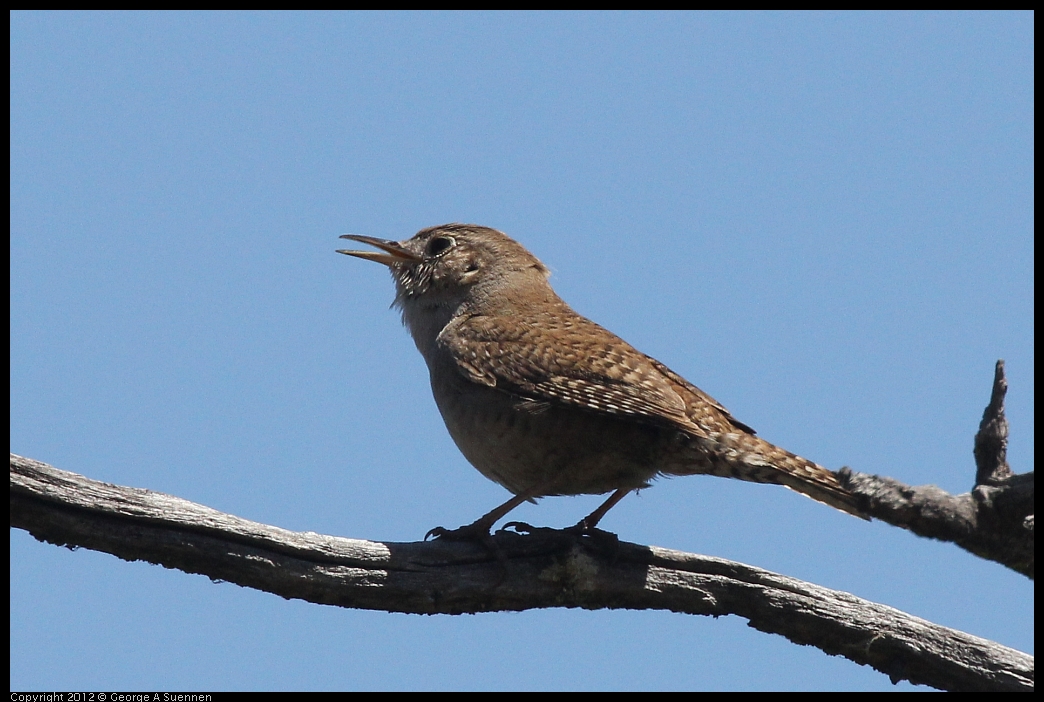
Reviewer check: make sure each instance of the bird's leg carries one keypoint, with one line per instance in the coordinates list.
(479, 529)
(605, 542)
(586, 526)
(588, 523)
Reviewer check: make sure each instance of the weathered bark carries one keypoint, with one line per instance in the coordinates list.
(994, 521)
(513, 572)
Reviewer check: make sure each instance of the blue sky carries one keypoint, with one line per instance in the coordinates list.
(823, 220)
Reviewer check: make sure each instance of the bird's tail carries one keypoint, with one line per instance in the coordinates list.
(748, 457)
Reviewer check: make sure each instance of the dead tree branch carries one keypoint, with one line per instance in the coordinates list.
(543, 569)
(994, 521)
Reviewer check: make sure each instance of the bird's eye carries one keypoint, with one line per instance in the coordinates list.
(439, 244)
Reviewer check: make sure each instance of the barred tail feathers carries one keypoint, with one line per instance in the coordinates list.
(751, 458)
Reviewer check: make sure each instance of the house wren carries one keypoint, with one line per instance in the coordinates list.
(544, 401)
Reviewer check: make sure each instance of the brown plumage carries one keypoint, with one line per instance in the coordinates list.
(545, 401)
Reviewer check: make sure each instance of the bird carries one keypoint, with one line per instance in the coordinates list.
(545, 402)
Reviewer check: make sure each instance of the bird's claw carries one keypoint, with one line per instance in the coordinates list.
(601, 540)
(436, 533)
(471, 532)
(520, 528)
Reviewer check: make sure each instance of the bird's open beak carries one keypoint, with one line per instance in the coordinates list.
(390, 254)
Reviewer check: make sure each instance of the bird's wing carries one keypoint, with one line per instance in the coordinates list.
(570, 360)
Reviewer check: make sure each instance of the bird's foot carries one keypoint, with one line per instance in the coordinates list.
(524, 528)
(476, 532)
(604, 541)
